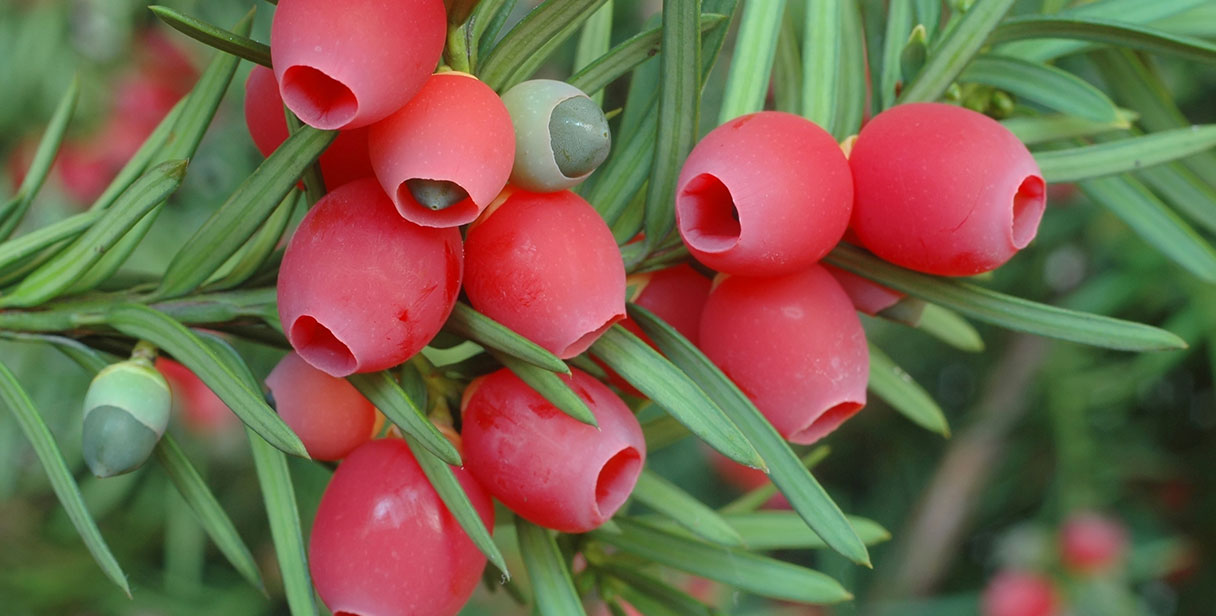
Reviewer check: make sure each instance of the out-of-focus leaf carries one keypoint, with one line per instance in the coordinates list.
(1038, 129)
(784, 530)
(1047, 85)
(1130, 11)
(14, 210)
(947, 326)
(529, 43)
(214, 36)
(1184, 190)
(752, 63)
(949, 57)
(1105, 31)
(384, 392)
(551, 582)
(1133, 153)
(889, 382)
(472, 325)
(682, 508)
(670, 598)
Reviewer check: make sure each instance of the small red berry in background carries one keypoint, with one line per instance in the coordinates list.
(944, 190)
(202, 411)
(867, 296)
(329, 415)
(1019, 593)
(765, 194)
(447, 153)
(794, 345)
(544, 465)
(348, 64)
(1092, 543)
(361, 289)
(345, 159)
(546, 266)
(384, 543)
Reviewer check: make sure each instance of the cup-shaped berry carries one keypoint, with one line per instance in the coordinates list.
(126, 411)
(447, 153)
(1091, 542)
(345, 159)
(350, 64)
(765, 194)
(362, 289)
(794, 345)
(329, 415)
(384, 543)
(546, 266)
(544, 465)
(1019, 593)
(561, 135)
(944, 190)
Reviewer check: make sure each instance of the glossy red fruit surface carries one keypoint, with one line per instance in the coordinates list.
(329, 415)
(1091, 542)
(765, 194)
(794, 345)
(455, 130)
(1019, 593)
(546, 266)
(544, 465)
(384, 544)
(348, 64)
(944, 190)
(361, 289)
(345, 160)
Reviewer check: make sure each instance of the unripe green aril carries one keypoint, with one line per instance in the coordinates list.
(561, 135)
(126, 411)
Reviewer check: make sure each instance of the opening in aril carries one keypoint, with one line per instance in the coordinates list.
(826, 423)
(1028, 205)
(321, 348)
(587, 339)
(616, 481)
(320, 100)
(709, 220)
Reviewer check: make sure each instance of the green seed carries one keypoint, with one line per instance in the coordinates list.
(436, 194)
(578, 134)
(115, 442)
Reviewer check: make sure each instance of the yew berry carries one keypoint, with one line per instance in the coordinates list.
(546, 266)
(867, 296)
(193, 402)
(329, 415)
(1019, 593)
(544, 465)
(345, 160)
(561, 135)
(944, 190)
(446, 154)
(765, 194)
(794, 345)
(343, 65)
(361, 289)
(126, 411)
(383, 543)
(1091, 542)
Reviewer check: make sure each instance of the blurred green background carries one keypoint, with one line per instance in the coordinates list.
(1040, 428)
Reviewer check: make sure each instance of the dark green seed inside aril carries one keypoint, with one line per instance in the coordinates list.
(578, 134)
(436, 194)
(115, 442)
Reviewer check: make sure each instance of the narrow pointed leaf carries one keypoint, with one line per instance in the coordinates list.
(15, 398)
(625, 173)
(40, 166)
(947, 326)
(667, 386)
(1007, 311)
(1047, 85)
(245, 210)
(383, 391)
(899, 25)
(594, 41)
(752, 63)
(821, 62)
(283, 514)
(66, 268)
(853, 76)
(147, 324)
(253, 255)
(552, 585)
(787, 66)
(949, 57)
(1155, 222)
(760, 495)
(1130, 154)
(487, 22)
(147, 153)
(1108, 32)
(750, 572)
(628, 54)
(889, 382)
(472, 325)
(1055, 127)
(525, 46)
(440, 475)
(682, 508)
(207, 510)
(804, 493)
(89, 359)
(16, 250)
(1183, 189)
(784, 530)
(551, 386)
(1129, 11)
(670, 598)
(213, 36)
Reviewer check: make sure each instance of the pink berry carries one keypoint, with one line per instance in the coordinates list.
(202, 411)
(384, 543)
(546, 266)
(361, 289)
(1091, 542)
(1019, 593)
(544, 465)
(794, 345)
(765, 194)
(345, 159)
(867, 296)
(447, 154)
(329, 415)
(350, 64)
(944, 190)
